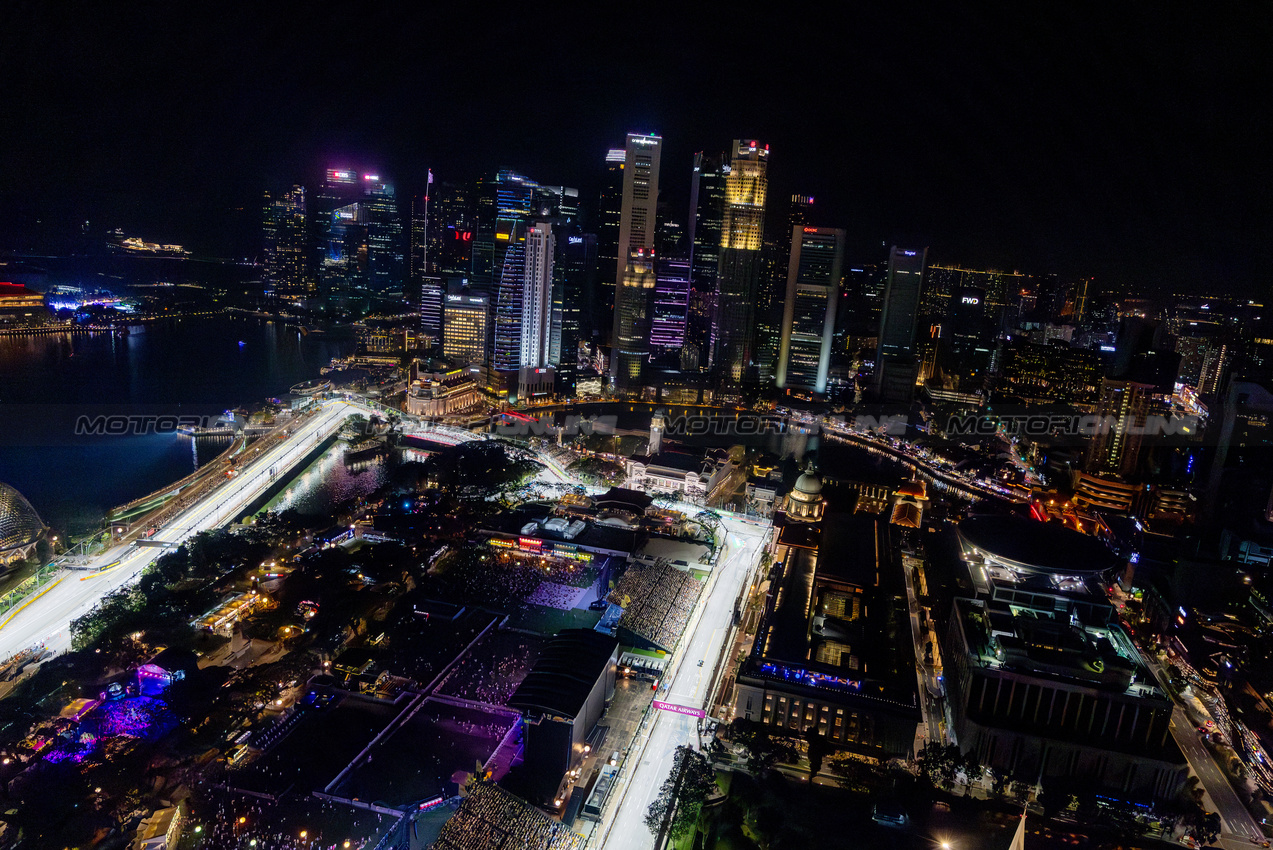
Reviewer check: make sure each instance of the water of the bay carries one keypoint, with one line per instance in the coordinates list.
(195, 366)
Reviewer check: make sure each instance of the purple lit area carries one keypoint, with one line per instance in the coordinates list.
(128, 717)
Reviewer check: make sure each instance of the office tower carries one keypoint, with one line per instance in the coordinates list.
(286, 273)
(386, 264)
(634, 304)
(575, 285)
(1122, 407)
(706, 220)
(896, 367)
(742, 235)
(808, 316)
(451, 229)
(1213, 369)
(501, 202)
(418, 247)
(537, 292)
(671, 309)
(609, 213)
(431, 299)
(506, 337)
(464, 326)
(630, 334)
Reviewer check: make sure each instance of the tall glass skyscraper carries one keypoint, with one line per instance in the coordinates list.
(609, 213)
(630, 339)
(386, 263)
(286, 273)
(506, 352)
(808, 318)
(671, 308)
(706, 220)
(895, 365)
(742, 236)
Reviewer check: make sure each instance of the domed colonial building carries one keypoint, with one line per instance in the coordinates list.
(803, 503)
(20, 526)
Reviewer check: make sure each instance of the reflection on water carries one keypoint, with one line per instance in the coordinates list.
(330, 481)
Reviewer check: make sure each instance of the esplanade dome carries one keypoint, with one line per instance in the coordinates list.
(20, 525)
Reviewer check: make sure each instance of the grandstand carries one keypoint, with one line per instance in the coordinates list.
(657, 600)
(490, 818)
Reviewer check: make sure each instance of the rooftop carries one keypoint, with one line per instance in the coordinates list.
(1036, 546)
(565, 673)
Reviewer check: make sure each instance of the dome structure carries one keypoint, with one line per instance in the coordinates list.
(804, 501)
(20, 526)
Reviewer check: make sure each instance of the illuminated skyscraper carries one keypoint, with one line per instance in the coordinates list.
(286, 272)
(575, 287)
(537, 300)
(671, 308)
(808, 317)
(1122, 407)
(633, 312)
(609, 213)
(464, 331)
(742, 236)
(706, 220)
(506, 351)
(895, 365)
(386, 264)
(630, 339)
(451, 230)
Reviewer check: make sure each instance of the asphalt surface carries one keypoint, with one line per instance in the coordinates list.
(623, 827)
(46, 617)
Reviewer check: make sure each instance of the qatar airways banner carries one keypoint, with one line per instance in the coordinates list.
(679, 709)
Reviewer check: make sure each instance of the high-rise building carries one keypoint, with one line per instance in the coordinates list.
(431, 299)
(630, 337)
(895, 364)
(451, 229)
(464, 326)
(635, 303)
(575, 286)
(609, 213)
(671, 308)
(537, 296)
(358, 233)
(1123, 407)
(418, 247)
(742, 236)
(506, 348)
(386, 263)
(706, 221)
(808, 317)
(286, 273)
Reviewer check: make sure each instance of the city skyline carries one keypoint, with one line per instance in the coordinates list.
(1090, 165)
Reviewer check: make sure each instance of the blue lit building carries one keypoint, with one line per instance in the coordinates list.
(670, 312)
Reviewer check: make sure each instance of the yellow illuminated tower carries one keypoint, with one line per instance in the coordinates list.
(742, 234)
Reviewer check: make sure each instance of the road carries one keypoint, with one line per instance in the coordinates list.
(931, 689)
(1238, 822)
(46, 617)
(686, 684)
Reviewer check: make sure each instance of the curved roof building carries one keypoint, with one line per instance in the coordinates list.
(20, 526)
(1032, 547)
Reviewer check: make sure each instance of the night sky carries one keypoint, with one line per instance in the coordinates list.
(1132, 143)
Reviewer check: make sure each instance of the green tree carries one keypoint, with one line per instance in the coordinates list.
(682, 794)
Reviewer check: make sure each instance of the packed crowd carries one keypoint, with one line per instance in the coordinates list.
(232, 821)
(493, 669)
(657, 600)
(492, 819)
(550, 594)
